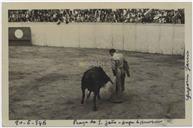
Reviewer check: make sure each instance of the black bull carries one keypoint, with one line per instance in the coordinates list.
(93, 79)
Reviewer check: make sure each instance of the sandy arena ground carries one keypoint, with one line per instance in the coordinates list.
(44, 83)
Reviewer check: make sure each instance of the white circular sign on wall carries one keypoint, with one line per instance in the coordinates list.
(18, 33)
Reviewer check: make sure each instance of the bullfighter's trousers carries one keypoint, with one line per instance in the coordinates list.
(120, 81)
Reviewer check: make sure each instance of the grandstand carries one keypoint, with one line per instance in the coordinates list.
(99, 15)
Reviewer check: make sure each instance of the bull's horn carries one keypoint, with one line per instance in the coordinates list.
(111, 81)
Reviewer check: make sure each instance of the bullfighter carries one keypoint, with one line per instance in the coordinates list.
(120, 68)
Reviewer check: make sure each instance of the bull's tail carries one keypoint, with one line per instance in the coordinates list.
(83, 95)
(83, 89)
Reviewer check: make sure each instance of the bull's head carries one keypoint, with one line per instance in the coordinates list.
(105, 76)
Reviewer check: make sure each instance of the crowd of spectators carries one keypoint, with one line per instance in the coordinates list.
(175, 16)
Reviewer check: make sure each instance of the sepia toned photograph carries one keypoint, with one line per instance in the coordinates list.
(96, 62)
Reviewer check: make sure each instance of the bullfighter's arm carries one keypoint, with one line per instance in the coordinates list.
(113, 65)
(126, 68)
